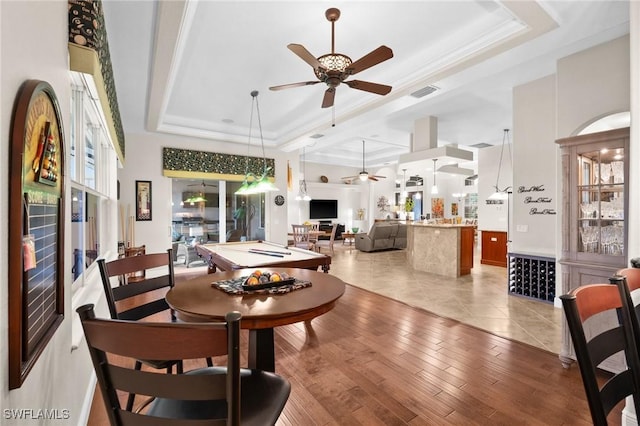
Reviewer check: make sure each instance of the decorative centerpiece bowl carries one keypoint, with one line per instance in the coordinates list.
(354, 230)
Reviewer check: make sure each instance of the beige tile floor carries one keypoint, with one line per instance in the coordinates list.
(479, 299)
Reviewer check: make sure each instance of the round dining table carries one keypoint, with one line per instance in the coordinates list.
(197, 300)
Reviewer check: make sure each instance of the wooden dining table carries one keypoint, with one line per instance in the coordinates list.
(196, 300)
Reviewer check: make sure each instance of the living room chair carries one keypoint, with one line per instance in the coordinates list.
(224, 395)
(327, 243)
(581, 304)
(142, 298)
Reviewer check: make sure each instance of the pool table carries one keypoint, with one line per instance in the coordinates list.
(253, 254)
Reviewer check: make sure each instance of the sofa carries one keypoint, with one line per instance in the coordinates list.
(383, 236)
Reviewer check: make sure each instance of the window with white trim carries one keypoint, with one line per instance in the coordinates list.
(93, 173)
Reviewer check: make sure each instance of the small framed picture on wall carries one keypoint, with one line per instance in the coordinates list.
(143, 200)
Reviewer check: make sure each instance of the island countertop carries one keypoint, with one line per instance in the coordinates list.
(443, 249)
(440, 225)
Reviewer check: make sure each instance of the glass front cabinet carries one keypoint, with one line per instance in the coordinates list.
(594, 226)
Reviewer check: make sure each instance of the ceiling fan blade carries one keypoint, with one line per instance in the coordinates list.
(373, 178)
(349, 177)
(379, 177)
(305, 55)
(380, 89)
(290, 85)
(329, 96)
(372, 58)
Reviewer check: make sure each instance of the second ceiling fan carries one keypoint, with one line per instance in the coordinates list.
(363, 175)
(334, 68)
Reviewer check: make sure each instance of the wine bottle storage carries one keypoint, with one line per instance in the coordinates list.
(532, 276)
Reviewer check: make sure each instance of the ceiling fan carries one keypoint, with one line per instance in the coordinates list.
(203, 185)
(334, 68)
(363, 175)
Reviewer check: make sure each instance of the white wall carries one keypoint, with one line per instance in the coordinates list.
(60, 378)
(592, 84)
(534, 148)
(156, 233)
(493, 217)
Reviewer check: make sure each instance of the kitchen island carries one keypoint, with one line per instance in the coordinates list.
(440, 249)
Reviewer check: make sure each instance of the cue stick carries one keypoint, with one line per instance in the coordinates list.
(265, 254)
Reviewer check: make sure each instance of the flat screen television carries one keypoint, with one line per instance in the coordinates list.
(323, 209)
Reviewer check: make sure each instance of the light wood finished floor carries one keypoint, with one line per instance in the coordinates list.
(377, 361)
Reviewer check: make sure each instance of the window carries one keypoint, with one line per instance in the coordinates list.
(92, 170)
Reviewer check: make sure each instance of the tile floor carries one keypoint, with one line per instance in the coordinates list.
(479, 299)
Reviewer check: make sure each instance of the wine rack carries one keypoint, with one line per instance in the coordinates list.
(532, 276)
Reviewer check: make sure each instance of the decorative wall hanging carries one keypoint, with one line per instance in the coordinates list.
(36, 234)
(437, 208)
(143, 200)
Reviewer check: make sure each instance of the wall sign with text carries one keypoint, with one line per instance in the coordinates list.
(538, 203)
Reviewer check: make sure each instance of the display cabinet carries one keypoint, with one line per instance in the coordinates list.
(593, 214)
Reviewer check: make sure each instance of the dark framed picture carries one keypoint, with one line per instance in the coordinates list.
(143, 200)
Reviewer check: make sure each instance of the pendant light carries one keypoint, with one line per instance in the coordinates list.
(501, 194)
(403, 194)
(434, 188)
(251, 183)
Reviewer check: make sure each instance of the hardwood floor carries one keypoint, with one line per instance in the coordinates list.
(375, 361)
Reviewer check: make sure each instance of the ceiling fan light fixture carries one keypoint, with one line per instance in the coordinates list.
(363, 176)
(332, 62)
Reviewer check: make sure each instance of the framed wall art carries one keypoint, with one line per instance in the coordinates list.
(36, 214)
(143, 200)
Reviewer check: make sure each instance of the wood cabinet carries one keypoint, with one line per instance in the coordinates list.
(593, 221)
(494, 248)
(467, 240)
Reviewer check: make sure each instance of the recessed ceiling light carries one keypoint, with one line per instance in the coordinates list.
(227, 120)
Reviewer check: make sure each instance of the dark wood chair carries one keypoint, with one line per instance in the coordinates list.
(212, 395)
(141, 298)
(581, 304)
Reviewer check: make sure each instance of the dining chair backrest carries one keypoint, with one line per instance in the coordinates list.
(633, 277)
(208, 393)
(314, 230)
(301, 236)
(329, 242)
(579, 306)
(122, 299)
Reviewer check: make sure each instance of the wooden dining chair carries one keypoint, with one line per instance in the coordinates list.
(314, 230)
(327, 243)
(581, 304)
(223, 395)
(301, 237)
(141, 298)
(628, 282)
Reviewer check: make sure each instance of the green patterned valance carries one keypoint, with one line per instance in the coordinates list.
(89, 54)
(202, 165)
